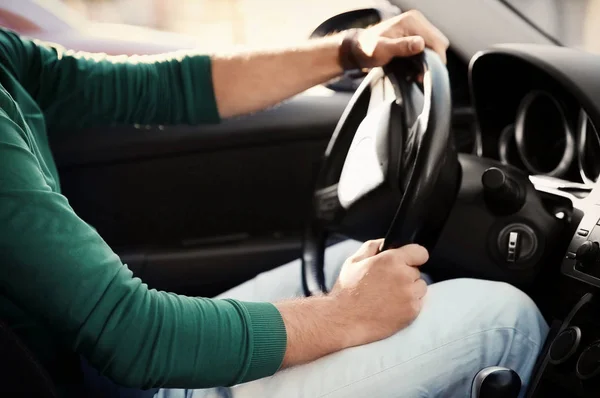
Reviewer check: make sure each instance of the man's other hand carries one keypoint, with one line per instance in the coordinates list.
(402, 36)
(376, 295)
(380, 293)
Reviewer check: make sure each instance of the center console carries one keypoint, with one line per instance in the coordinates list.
(570, 362)
(581, 260)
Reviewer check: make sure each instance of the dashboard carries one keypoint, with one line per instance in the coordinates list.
(530, 118)
(538, 109)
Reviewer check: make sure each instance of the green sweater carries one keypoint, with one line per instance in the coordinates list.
(62, 289)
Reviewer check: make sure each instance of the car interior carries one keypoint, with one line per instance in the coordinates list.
(490, 161)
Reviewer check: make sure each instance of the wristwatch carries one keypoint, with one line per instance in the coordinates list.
(351, 55)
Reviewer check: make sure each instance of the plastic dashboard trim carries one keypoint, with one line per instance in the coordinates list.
(575, 70)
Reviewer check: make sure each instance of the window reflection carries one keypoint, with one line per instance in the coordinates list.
(574, 23)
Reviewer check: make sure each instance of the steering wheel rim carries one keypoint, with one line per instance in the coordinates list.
(418, 202)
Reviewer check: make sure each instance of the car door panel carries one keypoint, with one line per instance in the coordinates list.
(306, 116)
(198, 208)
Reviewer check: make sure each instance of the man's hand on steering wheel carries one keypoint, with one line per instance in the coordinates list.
(381, 292)
(376, 295)
(402, 36)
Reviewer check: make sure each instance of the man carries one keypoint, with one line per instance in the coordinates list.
(65, 292)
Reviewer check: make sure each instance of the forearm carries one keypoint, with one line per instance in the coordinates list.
(60, 271)
(255, 80)
(79, 90)
(315, 327)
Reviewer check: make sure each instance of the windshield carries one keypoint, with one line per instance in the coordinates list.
(221, 24)
(573, 23)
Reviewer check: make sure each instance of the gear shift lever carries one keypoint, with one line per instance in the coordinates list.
(496, 382)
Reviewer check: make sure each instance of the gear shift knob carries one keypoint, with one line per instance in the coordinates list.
(496, 382)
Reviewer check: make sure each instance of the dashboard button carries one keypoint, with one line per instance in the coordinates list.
(565, 345)
(583, 232)
(587, 253)
(589, 220)
(570, 255)
(588, 364)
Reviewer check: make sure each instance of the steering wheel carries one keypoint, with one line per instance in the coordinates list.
(391, 157)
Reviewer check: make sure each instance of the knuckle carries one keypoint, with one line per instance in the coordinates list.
(409, 273)
(355, 258)
(416, 307)
(367, 263)
(404, 46)
(420, 288)
(413, 254)
(442, 42)
(417, 277)
(420, 254)
(366, 250)
(413, 14)
(386, 257)
(372, 245)
(424, 255)
(413, 308)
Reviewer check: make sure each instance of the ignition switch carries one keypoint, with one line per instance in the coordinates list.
(517, 243)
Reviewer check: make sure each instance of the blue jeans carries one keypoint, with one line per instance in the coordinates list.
(465, 326)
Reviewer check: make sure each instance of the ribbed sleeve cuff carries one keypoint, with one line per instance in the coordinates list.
(200, 99)
(269, 340)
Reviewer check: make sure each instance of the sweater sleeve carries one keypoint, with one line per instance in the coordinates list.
(78, 89)
(59, 270)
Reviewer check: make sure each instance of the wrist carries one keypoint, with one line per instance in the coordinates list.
(315, 327)
(345, 316)
(338, 320)
(331, 315)
(331, 55)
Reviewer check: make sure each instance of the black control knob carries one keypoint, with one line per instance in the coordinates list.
(496, 382)
(587, 253)
(502, 193)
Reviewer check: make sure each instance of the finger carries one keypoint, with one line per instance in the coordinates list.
(404, 46)
(417, 305)
(367, 249)
(419, 288)
(441, 51)
(413, 254)
(412, 273)
(415, 23)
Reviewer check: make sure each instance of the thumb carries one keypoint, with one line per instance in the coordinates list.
(406, 46)
(368, 249)
(413, 255)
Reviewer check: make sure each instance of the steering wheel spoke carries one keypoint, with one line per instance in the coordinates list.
(327, 204)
